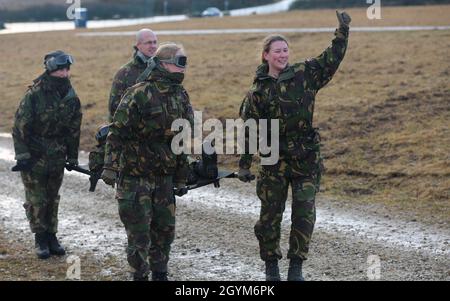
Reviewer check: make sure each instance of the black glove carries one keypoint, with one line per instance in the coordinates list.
(245, 175)
(71, 163)
(23, 165)
(181, 190)
(344, 19)
(109, 177)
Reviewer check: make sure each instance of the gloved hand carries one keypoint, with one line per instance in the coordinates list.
(181, 189)
(344, 19)
(109, 177)
(23, 165)
(245, 175)
(72, 162)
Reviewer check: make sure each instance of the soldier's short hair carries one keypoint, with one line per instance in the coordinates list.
(267, 42)
(141, 32)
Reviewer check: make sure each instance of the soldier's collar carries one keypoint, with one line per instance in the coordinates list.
(142, 58)
(262, 73)
(286, 74)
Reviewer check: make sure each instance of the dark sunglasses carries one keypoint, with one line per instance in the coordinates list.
(179, 61)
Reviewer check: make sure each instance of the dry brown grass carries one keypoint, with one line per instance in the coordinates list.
(384, 117)
(391, 16)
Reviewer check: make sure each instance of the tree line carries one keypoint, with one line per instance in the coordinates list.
(311, 4)
(110, 9)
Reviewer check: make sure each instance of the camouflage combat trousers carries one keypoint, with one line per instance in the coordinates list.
(147, 210)
(272, 189)
(42, 199)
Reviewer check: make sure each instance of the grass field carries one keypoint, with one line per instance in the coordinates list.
(384, 117)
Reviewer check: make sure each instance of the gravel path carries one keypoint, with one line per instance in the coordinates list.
(215, 239)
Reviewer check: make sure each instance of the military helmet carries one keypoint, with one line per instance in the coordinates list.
(102, 133)
(57, 60)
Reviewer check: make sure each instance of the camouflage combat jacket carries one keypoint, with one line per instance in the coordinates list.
(291, 97)
(139, 139)
(47, 125)
(124, 79)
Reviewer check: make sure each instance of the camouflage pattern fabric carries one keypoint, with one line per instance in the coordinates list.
(139, 139)
(47, 131)
(124, 79)
(163, 223)
(291, 98)
(96, 158)
(138, 148)
(42, 199)
(147, 210)
(272, 189)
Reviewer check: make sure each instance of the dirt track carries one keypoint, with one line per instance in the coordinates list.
(215, 238)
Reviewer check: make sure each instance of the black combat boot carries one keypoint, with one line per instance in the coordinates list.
(159, 276)
(272, 271)
(41, 245)
(54, 246)
(295, 270)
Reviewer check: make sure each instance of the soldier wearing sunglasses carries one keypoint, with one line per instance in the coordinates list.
(127, 75)
(138, 149)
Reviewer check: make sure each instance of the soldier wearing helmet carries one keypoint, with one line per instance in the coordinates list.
(46, 136)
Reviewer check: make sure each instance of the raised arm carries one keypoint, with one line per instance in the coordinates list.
(322, 68)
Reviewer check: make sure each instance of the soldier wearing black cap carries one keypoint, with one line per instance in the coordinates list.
(46, 136)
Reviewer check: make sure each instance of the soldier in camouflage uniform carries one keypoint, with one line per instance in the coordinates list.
(138, 150)
(127, 76)
(46, 136)
(287, 92)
